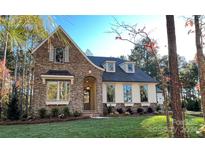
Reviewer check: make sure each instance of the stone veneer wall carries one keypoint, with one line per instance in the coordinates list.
(78, 66)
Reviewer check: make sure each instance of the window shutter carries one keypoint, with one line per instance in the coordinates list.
(51, 52)
(67, 54)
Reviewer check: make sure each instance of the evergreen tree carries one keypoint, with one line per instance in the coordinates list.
(13, 109)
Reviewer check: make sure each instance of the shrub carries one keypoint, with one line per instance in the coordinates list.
(54, 112)
(105, 109)
(150, 110)
(120, 110)
(109, 109)
(158, 108)
(193, 105)
(13, 112)
(130, 111)
(66, 111)
(42, 113)
(76, 114)
(140, 110)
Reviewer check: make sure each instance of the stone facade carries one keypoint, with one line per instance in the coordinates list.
(78, 66)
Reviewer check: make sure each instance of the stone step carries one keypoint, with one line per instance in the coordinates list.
(91, 113)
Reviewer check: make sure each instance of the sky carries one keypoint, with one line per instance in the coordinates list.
(90, 32)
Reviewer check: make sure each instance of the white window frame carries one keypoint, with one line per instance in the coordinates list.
(58, 101)
(54, 55)
(107, 64)
(114, 93)
(124, 93)
(133, 68)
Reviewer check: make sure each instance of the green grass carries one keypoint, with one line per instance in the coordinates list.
(142, 126)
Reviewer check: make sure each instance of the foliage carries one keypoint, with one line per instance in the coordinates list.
(150, 110)
(140, 110)
(193, 104)
(42, 113)
(76, 114)
(54, 112)
(105, 109)
(130, 111)
(120, 110)
(158, 108)
(143, 59)
(110, 110)
(66, 111)
(13, 112)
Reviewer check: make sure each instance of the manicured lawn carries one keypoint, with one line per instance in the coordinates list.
(142, 126)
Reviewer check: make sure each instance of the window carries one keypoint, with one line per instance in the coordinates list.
(144, 93)
(127, 93)
(110, 66)
(57, 91)
(130, 68)
(59, 55)
(110, 93)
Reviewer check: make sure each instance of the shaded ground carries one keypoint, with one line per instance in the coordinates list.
(116, 127)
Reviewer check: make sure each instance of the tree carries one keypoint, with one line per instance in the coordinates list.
(144, 60)
(200, 59)
(135, 36)
(176, 104)
(13, 112)
(21, 33)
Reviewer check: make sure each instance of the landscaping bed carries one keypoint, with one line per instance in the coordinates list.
(39, 121)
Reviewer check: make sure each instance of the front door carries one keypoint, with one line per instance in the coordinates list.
(89, 93)
(87, 100)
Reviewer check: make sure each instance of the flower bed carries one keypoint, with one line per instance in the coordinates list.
(39, 121)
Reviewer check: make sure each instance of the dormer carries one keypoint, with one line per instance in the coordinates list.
(128, 67)
(109, 66)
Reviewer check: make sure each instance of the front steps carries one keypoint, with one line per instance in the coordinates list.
(91, 113)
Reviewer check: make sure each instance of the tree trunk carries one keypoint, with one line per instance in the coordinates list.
(201, 62)
(174, 77)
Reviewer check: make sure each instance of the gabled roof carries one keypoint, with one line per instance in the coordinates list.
(61, 29)
(120, 75)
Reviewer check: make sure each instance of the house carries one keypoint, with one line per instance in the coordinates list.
(65, 76)
(160, 97)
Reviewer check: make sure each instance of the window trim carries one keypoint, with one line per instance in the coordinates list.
(110, 62)
(54, 55)
(124, 93)
(133, 68)
(58, 102)
(114, 93)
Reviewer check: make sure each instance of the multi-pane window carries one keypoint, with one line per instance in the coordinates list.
(110, 93)
(127, 90)
(110, 67)
(144, 93)
(57, 91)
(130, 68)
(59, 55)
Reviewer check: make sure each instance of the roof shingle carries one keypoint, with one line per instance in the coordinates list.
(120, 75)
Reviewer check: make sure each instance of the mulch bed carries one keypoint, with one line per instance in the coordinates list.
(40, 121)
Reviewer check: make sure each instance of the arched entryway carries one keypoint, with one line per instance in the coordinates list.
(89, 99)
